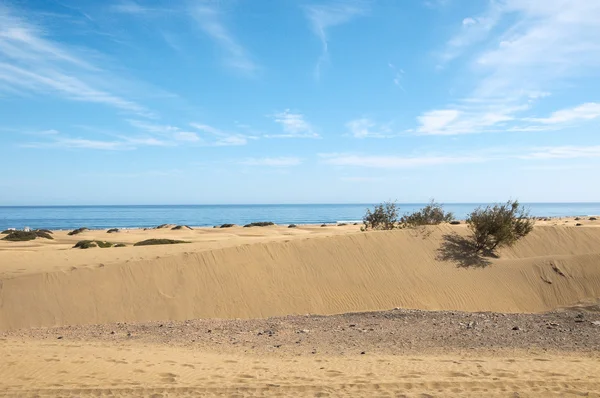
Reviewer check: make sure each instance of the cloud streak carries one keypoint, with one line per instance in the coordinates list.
(323, 17)
(294, 125)
(210, 20)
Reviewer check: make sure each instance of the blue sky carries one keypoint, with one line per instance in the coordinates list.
(206, 101)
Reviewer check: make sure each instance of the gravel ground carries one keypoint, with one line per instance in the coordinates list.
(389, 333)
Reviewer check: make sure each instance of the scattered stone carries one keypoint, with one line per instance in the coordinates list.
(516, 328)
(59, 337)
(596, 323)
(362, 353)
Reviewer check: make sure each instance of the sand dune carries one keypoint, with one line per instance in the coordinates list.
(275, 271)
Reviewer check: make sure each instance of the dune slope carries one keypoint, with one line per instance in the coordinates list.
(552, 267)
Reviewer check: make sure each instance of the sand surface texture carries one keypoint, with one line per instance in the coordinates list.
(216, 317)
(274, 271)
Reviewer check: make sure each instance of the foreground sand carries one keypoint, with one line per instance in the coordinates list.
(394, 353)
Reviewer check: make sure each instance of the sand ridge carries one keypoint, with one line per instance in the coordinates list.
(278, 271)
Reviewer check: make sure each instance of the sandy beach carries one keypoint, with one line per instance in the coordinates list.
(306, 311)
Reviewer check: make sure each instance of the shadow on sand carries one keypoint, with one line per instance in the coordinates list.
(462, 252)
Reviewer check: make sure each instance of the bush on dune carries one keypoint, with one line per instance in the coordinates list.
(226, 226)
(383, 217)
(22, 236)
(120, 245)
(292, 226)
(432, 214)
(179, 227)
(113, 230)
(259, 224)
(77, 231)
(499, 225)
(87, 244)
(149, 242)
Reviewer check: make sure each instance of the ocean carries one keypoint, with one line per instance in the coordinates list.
(99, 217)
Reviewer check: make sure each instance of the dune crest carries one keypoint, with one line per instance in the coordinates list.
(551, 268)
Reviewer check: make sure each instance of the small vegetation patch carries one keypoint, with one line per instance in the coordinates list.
(149, 242)
(78, 231)
(454, 222)
(323, 225)
(342, 224)
(8, 231)
(22, 236)
(46, 231)
(592, 218)
(432, 214)
(120, 245)
(113, 230)
(163, 226)
(179, 227)
(292, 226)
(88, 244)
(384, 216)
(499, 225)
(578, 224)
(259, 224)
(227, 225)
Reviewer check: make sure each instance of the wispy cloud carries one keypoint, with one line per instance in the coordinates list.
(322, 17)
(130, 7)
(222, 138)
(563, 152)
(518, 52)
(31, 63)
(378, 161)
(588, 111)
(474, 156)
(294, 125)
(81, 143)
(398, 76)
(367, 128)
(210, 20)
(272, 162)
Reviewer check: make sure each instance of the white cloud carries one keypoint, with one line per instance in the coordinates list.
(210, 20)
(525, 50)
(378, 161)
(272, 162)
(81, 144)
(294, 126)
(222, 138)
(152, 127)
(187, 136)
(147, 141)
(588, 111)
(325, 16)
(366, 128)
(563, 152)
(130, 7)
(31, 63)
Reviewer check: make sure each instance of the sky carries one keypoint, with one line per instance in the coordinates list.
(293, 101)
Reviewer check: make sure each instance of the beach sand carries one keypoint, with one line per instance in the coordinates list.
(75, 322)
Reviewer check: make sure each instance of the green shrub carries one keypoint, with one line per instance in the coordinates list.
(113, 230)
(149, 242)
(46, 231)
(499, 225)
(592, 218)
(120, 245)
(226, 225)
(432, 214)
(78, 231)
(22, 236)
(8, 231)
(384, 216)
(87, 244)
(259, 224)
(292, 226)
(178, 227)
